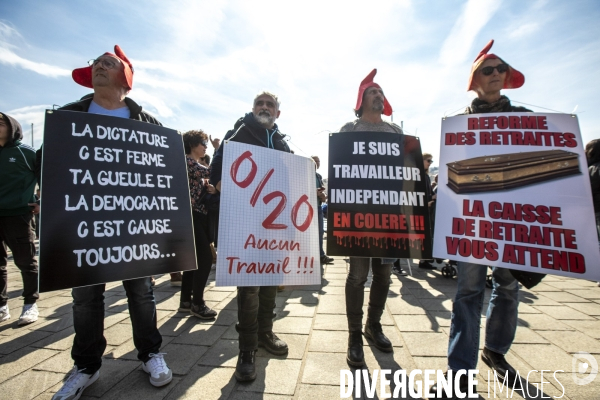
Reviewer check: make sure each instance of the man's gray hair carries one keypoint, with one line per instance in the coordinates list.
(273, 95)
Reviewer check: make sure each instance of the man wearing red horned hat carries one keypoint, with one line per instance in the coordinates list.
(111, 77)
(371, 103)
(489, 74)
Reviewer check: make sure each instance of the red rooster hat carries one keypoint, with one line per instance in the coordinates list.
(364, 85)
(83, 76)
(514, 80)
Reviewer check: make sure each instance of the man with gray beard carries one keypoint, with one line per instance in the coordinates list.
(255, 303)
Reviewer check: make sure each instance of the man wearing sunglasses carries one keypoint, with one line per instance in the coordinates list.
(111, 78)
(489, 75)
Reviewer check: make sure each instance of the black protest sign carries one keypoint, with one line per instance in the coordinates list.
(377, 196)
(115, 201)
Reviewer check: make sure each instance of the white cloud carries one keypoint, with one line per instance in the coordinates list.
(523, 30)
(31, 115)
(9, 39)
(10, 58)
(475, 15)
(156, 103)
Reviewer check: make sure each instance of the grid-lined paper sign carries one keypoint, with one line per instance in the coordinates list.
(268, 220)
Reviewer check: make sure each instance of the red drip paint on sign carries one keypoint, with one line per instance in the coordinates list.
(379, 239)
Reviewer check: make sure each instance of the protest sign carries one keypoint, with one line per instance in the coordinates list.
(115, 201)
(377, 196)
(514, 192)
(268, 219)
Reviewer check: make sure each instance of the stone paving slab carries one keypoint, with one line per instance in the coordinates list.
(30, 384)
(274, 376)
(204, 383)
(556, 319)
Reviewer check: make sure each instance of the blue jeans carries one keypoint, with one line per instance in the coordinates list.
(321, 229)
(88, 320)
(355, 291)
(501, 317)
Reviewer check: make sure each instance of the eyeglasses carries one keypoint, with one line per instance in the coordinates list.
(106, 63)
(502, 68)
(429, 161)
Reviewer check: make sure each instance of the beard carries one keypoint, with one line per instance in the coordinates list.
(264, 118)
(377, 105)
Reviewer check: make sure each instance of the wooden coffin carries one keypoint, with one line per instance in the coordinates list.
(505, 171)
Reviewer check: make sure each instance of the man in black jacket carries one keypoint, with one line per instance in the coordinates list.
(111, 77)
(255, 304)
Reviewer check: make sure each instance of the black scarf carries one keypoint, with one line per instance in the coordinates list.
(481, 107)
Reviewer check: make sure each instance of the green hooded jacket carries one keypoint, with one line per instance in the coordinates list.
(17, 172)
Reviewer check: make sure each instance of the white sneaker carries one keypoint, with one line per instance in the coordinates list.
(160, 374)
(30, 314)
(75, 384)
(4, 313)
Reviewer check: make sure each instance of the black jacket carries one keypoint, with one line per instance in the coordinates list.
(247, 130)
(83, 105)
(17, 172)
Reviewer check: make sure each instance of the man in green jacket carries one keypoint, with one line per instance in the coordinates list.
(17, 208)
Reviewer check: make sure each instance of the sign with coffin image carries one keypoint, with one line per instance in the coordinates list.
(515, 193)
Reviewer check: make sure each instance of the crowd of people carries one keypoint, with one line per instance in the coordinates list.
(111, 78)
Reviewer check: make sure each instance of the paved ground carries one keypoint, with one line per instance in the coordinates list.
(556, 319)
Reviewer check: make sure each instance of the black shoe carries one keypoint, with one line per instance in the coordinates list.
(202, 312)
(355, 356)
(399, 271)
(326, 259)
(374, 332)
(185, 306)
(497, 362)
(463, 386)
(426, 265)
(272, 343)
(245, 370)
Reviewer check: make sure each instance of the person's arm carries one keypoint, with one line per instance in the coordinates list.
(216, 142)
(216, 164)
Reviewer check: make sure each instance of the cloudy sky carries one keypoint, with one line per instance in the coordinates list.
(198, 64)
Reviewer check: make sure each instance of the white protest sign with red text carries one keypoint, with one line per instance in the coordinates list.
(514, 192)
(268, 228)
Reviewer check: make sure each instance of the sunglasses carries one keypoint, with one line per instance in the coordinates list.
(429, 161)
(502, 68)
